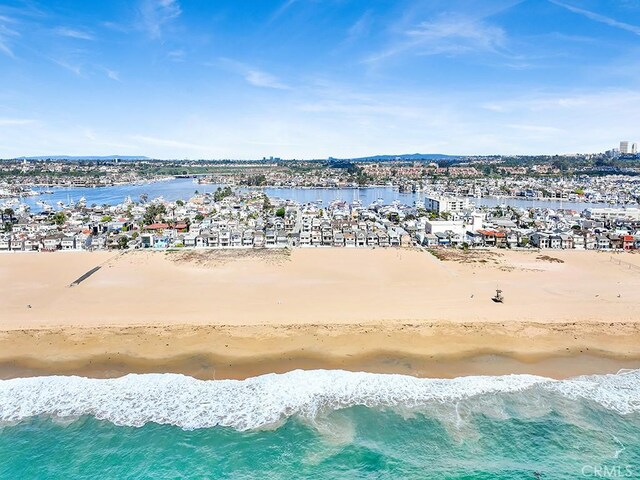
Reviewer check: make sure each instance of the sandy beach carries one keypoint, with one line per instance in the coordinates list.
(232, 314)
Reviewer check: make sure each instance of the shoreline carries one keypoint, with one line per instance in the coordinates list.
(434, 350)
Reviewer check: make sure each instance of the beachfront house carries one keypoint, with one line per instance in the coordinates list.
(282, 240)
(539, 240)
(316, 238)
(383, 238)
(52, 242)
(327, 236)
(270, 238)
(32, 244)
(430, 240)
(248, 237)
(5, 243)
(258, 239)
(17, 244)
(350, 240)
(147, 240)
(602, 242)
(338, 239)
(68, 242)
(293, 239)
(189, 240)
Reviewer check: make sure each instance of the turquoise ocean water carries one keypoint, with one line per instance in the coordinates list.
(321, 424)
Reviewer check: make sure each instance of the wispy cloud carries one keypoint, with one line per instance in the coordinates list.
(612, 22)
(6, 34)
(165, 142)
(258, 78)
(177, 55)
(255, 76)
(13, 122)
(457, 35)
(360, 27)
(156, 14)
(72, 67)
(449, 35)
(112, 74)
(73, 33)
(282, 9)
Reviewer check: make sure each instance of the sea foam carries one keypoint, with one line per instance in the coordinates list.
(268, 400)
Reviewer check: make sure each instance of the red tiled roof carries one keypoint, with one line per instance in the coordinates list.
(157, 226)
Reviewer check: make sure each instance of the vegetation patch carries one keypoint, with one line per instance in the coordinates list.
(215, 258)
(464, 256)
(547, 258)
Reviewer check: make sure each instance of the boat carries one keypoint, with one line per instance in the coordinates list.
(498, 298)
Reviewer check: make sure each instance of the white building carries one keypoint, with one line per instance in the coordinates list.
(442, 204)
(458, 227)
(627, 148)
(610, 213)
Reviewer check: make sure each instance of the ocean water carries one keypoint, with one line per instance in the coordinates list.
(321, 424)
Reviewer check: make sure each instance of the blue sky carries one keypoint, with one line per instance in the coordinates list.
(317, 78)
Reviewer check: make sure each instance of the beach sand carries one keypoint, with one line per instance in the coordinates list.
(238, 313)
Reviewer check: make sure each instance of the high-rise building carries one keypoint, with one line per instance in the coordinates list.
(628, 148)
(624, 148)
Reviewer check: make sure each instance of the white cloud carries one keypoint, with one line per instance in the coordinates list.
(5, 34)
(165, 142)
(612, 22)
(72, 67)
(177, 55)
(156, 14)
(361, 27)
(258, 78)
(282, 9)
(254, 76)
(449, 35)
(73, 33)
(13, 122)
(112, 74)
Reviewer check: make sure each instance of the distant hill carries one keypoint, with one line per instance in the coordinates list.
(407, 156)
(82, 157)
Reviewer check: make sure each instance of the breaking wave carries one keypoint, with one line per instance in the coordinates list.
(268, 400)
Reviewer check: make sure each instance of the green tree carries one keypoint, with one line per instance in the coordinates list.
(123, 241)
(106, 219)
(280, 212)
(180, 203)
(266, 204)
(153, 213)
(221, 193)
(59, 218)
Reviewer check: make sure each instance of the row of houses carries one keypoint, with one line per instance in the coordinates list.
(502, 238)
